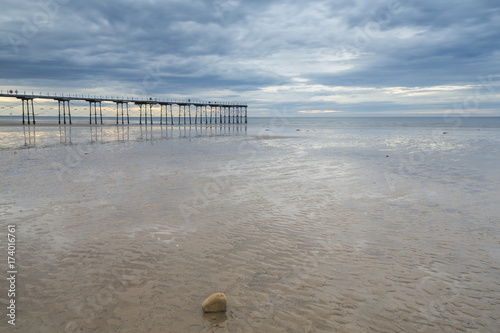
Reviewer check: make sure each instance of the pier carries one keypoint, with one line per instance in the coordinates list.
(204, 112)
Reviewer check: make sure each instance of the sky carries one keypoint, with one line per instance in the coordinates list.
(281, 57)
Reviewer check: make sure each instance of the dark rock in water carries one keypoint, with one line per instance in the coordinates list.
(214, 303)
(445, 132)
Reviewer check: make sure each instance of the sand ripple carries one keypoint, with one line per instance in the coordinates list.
(298, 243)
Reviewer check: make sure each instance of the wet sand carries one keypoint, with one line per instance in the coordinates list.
(304, 232)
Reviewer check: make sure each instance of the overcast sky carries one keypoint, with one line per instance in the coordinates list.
(337, 57)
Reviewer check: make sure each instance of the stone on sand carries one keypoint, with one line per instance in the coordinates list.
(214, 303)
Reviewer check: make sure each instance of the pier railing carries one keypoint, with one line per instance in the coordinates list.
(204, 112)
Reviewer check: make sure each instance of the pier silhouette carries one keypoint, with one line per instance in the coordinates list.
(207, 112)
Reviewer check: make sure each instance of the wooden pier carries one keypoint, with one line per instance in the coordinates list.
(204, 112)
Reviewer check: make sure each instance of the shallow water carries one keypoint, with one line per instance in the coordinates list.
(307, 225)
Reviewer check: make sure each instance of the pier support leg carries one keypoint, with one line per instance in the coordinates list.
(69, 114)
(64, 112)
(95, 113)
(151, 113)
(28, 111)
(23, 109)
(140, 114)
(90, 113)
(128, 118)
(100, 110)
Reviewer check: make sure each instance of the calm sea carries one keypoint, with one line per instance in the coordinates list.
(13, 135)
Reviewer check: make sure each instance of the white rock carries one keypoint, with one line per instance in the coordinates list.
(214, 303)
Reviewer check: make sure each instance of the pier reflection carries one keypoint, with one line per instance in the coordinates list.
(29, 135)
(44, 136)
(65, 135)
(157, 132)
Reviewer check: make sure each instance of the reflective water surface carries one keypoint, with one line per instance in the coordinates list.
(306, 225)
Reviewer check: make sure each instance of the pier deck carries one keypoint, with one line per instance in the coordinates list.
(208, 112)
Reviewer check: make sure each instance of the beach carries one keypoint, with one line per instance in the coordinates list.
(306, 225)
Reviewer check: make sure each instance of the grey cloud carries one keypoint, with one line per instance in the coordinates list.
(241, 47)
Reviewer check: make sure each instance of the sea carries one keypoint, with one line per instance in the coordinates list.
(306, 224)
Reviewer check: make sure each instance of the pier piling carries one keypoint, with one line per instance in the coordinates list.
(65, 104)
(128, 117)
(26, 105)
(219, 113)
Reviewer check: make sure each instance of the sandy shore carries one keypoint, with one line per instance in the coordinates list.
(302, 233)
